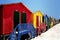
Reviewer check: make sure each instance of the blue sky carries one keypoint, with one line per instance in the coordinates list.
(49, 7)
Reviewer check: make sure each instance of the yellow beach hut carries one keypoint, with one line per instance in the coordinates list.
(37, 18)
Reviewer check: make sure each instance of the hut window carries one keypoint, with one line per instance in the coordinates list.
(16, 18)
(23, 17)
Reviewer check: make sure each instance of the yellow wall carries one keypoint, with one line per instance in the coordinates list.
(52, 22)
(38, 13)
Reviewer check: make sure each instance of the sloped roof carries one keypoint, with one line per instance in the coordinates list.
(38, 12)
(16, 4)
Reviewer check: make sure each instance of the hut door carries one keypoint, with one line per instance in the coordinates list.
(37, 21)
(16, 18)
(38, 24)
(42, 18)
(23, 17)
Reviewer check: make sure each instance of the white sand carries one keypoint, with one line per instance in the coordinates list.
(52, 34)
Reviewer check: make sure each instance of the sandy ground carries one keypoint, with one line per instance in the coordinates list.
(52, 34)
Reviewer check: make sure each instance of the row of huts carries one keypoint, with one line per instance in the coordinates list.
(13, 14)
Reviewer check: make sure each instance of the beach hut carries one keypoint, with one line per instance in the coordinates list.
(51, 22)
(37, 21)
(11, 15)
(47, 22)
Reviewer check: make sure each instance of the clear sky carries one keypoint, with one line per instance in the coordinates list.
(50, 7)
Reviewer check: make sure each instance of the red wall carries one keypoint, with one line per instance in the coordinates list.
(8, 11)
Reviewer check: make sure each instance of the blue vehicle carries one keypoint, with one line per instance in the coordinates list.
(25, 31)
